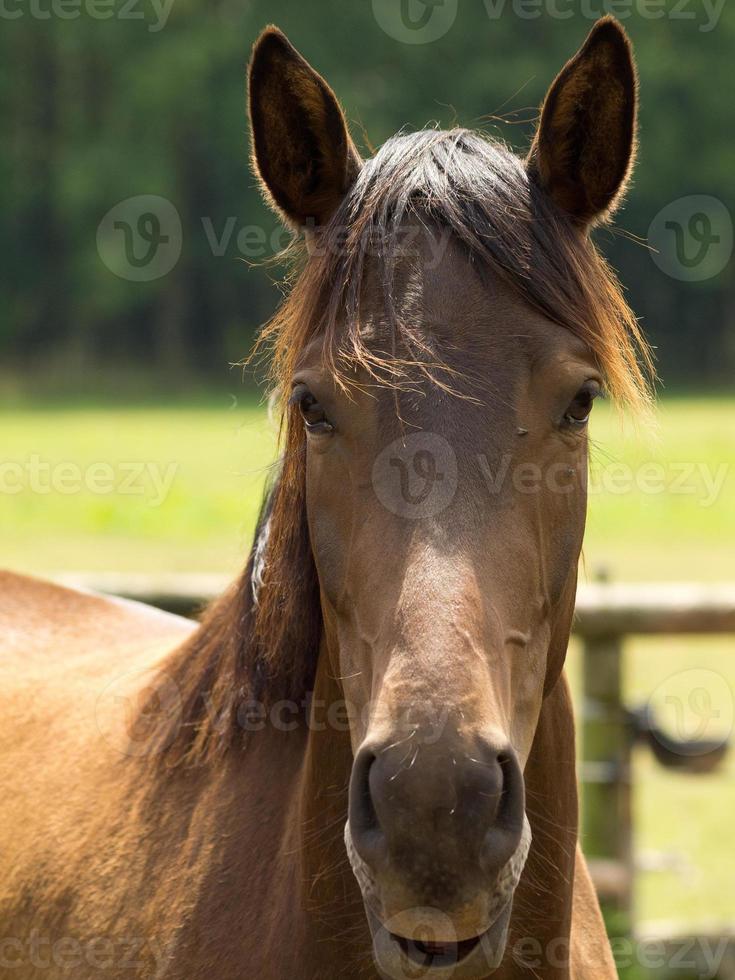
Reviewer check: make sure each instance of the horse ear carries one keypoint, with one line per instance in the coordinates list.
(302, 152)
(584, 148)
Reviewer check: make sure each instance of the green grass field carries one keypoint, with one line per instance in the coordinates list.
(177, 487)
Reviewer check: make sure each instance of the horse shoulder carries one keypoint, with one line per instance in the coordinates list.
(70, 665)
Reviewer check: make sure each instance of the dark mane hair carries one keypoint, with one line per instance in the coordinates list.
(260, 641)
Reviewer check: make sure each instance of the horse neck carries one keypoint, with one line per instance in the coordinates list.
(331, 901)
(539, 941)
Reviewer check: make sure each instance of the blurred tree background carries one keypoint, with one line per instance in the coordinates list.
(110, 99)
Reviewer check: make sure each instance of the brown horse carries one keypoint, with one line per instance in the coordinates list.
(361, 762)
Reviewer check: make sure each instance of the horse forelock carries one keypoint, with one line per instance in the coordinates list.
(481, 193)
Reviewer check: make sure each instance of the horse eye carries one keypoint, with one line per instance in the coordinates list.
(579, 411)
(314, 416)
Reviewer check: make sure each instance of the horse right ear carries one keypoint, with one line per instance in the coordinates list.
(302, 151)
(584, 148)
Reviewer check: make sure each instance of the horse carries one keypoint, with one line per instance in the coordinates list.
(360, 761)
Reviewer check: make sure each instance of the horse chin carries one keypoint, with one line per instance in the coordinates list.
(426, 943)
(400, 958)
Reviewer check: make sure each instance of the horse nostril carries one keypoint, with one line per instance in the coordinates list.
(367, 836)
(491, 786)
(504, 835)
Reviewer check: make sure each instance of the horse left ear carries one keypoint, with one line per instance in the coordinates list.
(584, 148)
(302, 151)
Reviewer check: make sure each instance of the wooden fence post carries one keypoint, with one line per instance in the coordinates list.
(606, 776)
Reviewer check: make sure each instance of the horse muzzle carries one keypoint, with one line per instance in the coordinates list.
(424, 943)
(437, 838)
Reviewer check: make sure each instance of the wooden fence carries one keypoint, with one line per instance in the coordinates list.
(606, 615)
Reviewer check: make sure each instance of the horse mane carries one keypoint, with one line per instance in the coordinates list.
(259, 643)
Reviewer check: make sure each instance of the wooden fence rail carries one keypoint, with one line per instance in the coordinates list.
(603, 609)
(606, 614)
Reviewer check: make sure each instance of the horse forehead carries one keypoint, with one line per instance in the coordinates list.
(481, 322)
(443, 291)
